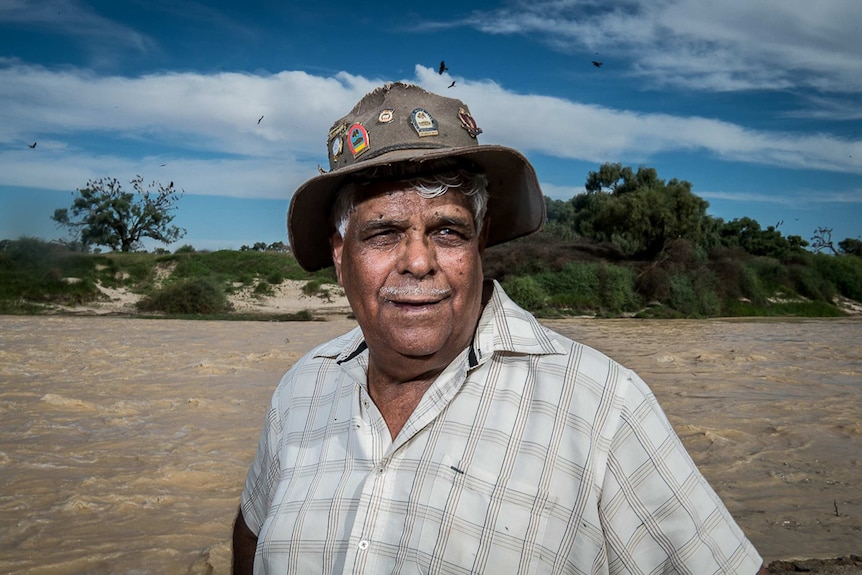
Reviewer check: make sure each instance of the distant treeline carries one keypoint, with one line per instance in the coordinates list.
(632, 244)
(635, 244)
(549, 276)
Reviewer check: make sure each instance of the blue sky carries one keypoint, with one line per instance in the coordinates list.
(757, 103)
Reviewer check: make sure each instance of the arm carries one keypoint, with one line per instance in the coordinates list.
(762, 571)
(244, 545)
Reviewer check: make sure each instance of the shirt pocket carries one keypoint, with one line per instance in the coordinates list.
(484, 523)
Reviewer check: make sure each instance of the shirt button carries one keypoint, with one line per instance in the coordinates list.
(363, 545)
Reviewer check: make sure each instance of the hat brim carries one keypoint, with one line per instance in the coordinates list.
(516, 206)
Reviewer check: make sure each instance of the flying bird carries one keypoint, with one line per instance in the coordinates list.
(452, 85)
(443, 67)
(597, 64)
(259, 119)
(33, 145)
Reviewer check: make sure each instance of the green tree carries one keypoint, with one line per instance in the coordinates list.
(747, 234)
(851, 246)
(103, 214)
(638, 211)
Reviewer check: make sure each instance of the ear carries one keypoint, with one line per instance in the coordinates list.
(336, 244)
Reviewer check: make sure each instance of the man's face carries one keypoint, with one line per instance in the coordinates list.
(411, 269)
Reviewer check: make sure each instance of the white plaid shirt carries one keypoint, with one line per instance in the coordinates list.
(530, 453)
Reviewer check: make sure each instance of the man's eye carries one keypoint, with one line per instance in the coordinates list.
(382, 237)
(450, 234)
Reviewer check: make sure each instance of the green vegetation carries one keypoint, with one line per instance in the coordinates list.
(631, 245)
(568, 279)
(187, 297)
(34, 273)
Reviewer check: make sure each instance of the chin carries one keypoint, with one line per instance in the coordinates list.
(418, 342)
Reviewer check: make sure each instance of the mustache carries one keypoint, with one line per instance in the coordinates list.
(413, 292)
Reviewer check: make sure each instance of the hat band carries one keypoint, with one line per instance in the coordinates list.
(395, 148)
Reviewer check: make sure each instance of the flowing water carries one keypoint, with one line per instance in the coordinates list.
(124, 442)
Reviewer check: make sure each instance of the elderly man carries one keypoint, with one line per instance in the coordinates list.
(450, 432)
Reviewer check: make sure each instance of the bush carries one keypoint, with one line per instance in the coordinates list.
(617, 288)
(706, 292)
(526, 292)
(275, 277)
(844, 272)
(575, 286)
(771, 273)
(32, 269)
(682, 297)
(653, 284)
(809, 283)
(263, 288)
(188, 297)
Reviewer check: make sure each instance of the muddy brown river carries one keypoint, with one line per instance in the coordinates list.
(124, 442)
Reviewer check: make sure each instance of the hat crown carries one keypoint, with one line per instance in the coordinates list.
(399, 117)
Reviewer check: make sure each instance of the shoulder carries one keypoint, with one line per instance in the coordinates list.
(517, 335)
(321, 361)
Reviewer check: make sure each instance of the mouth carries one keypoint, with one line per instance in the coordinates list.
(411, 297)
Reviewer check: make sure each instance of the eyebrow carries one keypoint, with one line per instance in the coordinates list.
(387, 223)
(382, 224)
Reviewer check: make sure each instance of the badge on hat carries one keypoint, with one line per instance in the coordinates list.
(386, 116)
(357, 139)
(468, 123)
(336, 141)
(336, 146)
(423, 123)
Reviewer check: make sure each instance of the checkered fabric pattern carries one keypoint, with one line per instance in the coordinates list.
(531, 453)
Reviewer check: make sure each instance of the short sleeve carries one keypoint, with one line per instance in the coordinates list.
(263, 475)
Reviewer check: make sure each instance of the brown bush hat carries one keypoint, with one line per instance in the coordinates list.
(406, 125)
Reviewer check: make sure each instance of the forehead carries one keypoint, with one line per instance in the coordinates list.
(388, 197)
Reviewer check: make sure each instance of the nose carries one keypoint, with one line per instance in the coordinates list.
(418, 256)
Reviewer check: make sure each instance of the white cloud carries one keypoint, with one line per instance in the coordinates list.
(204, 128)
(728, 45)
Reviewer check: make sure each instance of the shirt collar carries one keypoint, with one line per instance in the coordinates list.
(506, 327)
(503, 327)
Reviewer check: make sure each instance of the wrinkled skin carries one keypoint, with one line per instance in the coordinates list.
(411, 268)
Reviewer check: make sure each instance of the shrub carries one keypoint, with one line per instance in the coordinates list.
(844, 272)
(575, 286)
(617, 288)
(771, 273)
(312, 287)
(526, 292)
(708, 301)
(653, 284)
(187, 297)
(275, 277)
(263, 288)
(682, 297)
(809, 283)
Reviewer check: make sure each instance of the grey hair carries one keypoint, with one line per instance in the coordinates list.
(472, 184)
